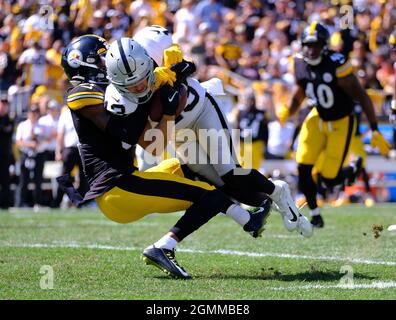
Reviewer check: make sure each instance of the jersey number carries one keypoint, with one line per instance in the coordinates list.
(324, 95)
(118, 109)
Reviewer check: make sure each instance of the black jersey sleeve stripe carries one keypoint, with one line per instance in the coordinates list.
(160, 188)
(124, 59)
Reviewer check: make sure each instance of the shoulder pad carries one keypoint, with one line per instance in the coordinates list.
(83, 95)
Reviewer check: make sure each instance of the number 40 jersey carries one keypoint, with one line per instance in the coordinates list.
(321, 85)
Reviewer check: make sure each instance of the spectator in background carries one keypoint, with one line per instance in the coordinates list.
(33, 63)
(228, 52)
(6, 130)
(64, 30)
(97, 24)
(185, 24)
(54, 69)
(141, 8)
(120, 8)
(7, 67)
(27, 140)
(210, 12)
(279, 139)
(253, 126)
(66, 150)
(49, 123)
(114, 29)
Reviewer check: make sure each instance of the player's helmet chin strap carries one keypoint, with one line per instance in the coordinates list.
(138, 97)
(315, 62)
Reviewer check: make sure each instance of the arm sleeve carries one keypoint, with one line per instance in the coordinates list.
(127, 129)
(85, 95)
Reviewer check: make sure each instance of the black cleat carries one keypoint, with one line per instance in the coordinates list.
(317, 221)
(164, 260)
(258, 219)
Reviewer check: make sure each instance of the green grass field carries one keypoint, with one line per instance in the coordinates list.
(94, 258)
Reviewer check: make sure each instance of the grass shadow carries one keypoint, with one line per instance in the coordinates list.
(309, 276)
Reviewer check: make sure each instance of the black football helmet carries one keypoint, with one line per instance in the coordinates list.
(83, 60)
(314, 39)
(392, 40)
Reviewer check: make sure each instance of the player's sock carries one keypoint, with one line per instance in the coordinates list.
(166, 242)
(366, 180)
(200, 212)
(314, 212)
(238, 214)
(307, 185)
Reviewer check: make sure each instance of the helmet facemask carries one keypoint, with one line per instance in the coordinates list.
(132, 89)
(131, 70)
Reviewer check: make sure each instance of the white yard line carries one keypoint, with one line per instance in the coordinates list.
(195, 251)
(373, 285)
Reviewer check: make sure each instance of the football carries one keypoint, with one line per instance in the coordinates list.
(156, 104)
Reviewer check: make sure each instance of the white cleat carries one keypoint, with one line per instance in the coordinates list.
(304, 226)
(284, 203)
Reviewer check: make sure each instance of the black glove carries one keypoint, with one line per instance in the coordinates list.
(183, 70)
(170, 99)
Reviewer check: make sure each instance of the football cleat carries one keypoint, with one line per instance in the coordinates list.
(283, 202)
(317, 221)
(258, 219)
(164, 260)
(304, 227)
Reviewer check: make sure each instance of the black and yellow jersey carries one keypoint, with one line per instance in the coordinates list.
(105, 158)
(253, 123)
(321, 86)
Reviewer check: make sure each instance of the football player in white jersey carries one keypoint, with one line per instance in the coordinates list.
(129, 89)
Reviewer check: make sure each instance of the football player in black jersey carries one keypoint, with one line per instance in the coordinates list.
(326, 79)
(123, 193)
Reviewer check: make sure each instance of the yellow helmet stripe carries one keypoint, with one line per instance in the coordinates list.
(312, 28)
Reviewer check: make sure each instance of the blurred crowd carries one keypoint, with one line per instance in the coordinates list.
(248, 44)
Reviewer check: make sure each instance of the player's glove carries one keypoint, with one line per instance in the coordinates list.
(283, 114)
(172, 55)
(169, 99)
(378, 140)
(164, 76)
(184, 69)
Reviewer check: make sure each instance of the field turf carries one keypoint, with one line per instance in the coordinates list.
(94, 258)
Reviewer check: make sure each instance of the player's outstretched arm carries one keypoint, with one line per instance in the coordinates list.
(350, 84)
(121, 128)
(284, 112)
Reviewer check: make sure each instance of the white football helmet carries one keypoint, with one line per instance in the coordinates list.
(128, 64)
(155, 39)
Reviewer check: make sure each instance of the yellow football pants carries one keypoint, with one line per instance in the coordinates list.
(325, 144)
(357, 149)
(161, 189)
(251, 154)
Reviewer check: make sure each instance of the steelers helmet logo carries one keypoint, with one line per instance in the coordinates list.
(327, 77)
(74, 58)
